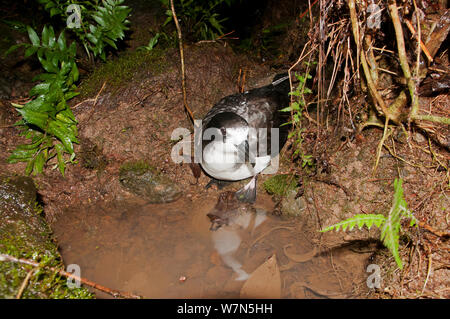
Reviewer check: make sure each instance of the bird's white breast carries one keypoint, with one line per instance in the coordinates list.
(221, 161)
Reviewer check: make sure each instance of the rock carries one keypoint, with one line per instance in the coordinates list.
(418, 137)
(144, 180)
(24, 233)
(18, 190)
(91, 155)
(292, 206)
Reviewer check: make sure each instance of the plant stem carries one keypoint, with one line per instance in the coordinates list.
(183, 71)
(370, 83)
(402, 57)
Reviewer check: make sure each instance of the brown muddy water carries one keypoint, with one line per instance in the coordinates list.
(169, 251)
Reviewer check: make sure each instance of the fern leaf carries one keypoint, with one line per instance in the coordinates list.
(390, 237)
(361, 220)
(391, 228)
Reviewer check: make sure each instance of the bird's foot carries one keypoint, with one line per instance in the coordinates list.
(247, 194)
(219, 184)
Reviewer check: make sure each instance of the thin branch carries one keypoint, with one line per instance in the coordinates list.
(402, 57)
(24, 283)
(115, 293)
(370, 82)
(183, 71)
(422, 45)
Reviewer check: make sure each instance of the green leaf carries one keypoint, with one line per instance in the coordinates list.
(45, 35)
(21, 154)
(63, 118)
(34, 38)
(48, 5)
(168, 19)
(30, 51)
(15, 47)
(32, 146)
(39, 89)
(361, 220)
(110, 42)
(48, 65)
(29, 167)
(63, 134)
(54, 11)
(59, 155)
(215, 24)
(70, 95)
(62, 41)
(36, 118)
(99, 20)
(390, 225)
(39, 163)
(390, 232)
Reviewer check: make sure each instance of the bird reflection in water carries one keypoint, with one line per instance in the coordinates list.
(229, 218)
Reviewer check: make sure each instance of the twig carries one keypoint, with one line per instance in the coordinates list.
(355, 29)
(386, 134)
(24, 283)
(98, 94)
(422, 45)
(183, 71)
(428, 271)
(93, 105)
(115, 293)
(402, 159)
(82, 102)
(222, 37)
(361, 56)
(435, 232)
(241, 81)
(301, 57)
(307, 10)
(91, 100)
(403, 58)
(387, 71)
(383, 50)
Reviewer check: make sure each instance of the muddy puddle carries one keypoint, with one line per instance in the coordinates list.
(169, 251)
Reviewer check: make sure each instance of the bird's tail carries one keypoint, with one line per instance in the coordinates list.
(280, 78)
(282, 85)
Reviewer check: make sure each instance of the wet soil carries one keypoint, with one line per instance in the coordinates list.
(167, 250)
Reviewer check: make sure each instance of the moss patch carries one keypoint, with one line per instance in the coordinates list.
(25, 234)
(280, 184)
(120, 71)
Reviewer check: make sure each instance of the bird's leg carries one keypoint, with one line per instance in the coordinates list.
(219, 184)
(247, 194)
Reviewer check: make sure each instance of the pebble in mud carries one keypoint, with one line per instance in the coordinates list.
(145, 181)
(292, 206)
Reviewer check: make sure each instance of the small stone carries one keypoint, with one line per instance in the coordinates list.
(293, 206)
(144, 180)
(418, 137)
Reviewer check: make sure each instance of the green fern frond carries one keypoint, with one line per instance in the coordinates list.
(361, 220)
(390, 225)
(391, 228)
